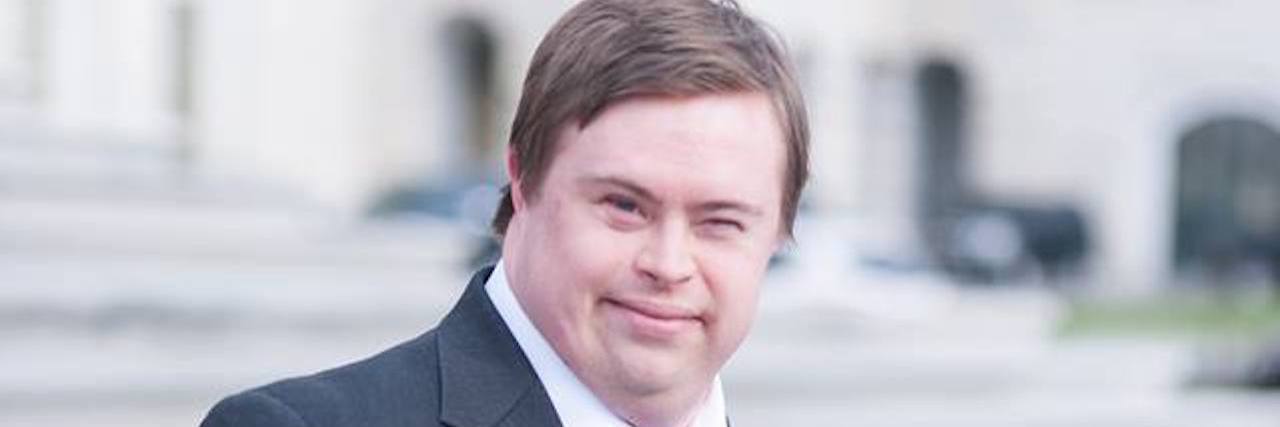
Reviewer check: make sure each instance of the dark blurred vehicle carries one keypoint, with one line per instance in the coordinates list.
(1264, 372)
(1239, 364)
(1001, 243)
(469, 204)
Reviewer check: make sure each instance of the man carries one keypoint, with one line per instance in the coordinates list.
(656, 161)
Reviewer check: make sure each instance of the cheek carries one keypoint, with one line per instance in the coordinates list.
(734, 282)
(586, 246)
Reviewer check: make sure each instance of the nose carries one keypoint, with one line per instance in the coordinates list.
(666, 258)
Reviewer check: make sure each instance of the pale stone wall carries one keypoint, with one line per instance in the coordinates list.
(339, 101)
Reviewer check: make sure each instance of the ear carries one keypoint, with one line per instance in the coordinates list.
(513, 177)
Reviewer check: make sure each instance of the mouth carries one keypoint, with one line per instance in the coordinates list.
(655, 320)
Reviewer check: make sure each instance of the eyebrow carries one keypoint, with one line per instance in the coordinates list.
(615, 181)
(644, 193)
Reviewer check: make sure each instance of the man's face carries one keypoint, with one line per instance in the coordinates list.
(641, 257)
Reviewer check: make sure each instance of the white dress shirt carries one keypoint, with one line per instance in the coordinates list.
(573, 401)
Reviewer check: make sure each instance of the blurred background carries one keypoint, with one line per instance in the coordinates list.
(1043, 213)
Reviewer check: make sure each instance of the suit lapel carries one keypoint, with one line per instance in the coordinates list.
(485, 378)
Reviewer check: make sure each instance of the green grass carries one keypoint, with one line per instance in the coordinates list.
(1186, 316)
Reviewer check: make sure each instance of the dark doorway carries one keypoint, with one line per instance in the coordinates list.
(1228, 199)
(941, 106)
(469, 55)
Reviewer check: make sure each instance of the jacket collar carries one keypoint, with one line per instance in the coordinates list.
(484, 376)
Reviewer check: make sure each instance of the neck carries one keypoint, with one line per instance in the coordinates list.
(671, 408)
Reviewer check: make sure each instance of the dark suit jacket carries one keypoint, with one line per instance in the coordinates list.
(467, 372)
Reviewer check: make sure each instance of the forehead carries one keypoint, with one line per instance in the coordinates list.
(724, 144)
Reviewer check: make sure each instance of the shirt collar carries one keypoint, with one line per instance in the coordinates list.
(573, 401)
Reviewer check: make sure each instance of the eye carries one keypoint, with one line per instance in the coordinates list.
(622, 203)
(622, 212)
(725, 225)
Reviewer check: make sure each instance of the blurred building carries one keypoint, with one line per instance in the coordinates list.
(1155, 121)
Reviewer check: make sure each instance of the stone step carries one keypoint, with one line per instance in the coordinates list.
(161, 228)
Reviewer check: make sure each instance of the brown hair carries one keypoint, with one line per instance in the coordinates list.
(605, 51)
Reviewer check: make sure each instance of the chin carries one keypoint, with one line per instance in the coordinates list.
(645, 372)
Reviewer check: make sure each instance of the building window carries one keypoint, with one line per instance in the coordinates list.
(1228, 199)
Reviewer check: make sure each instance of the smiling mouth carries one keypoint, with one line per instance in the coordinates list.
(656, 320)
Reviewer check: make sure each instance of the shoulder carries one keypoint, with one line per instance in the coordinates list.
(255, 407)
(399, 386)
